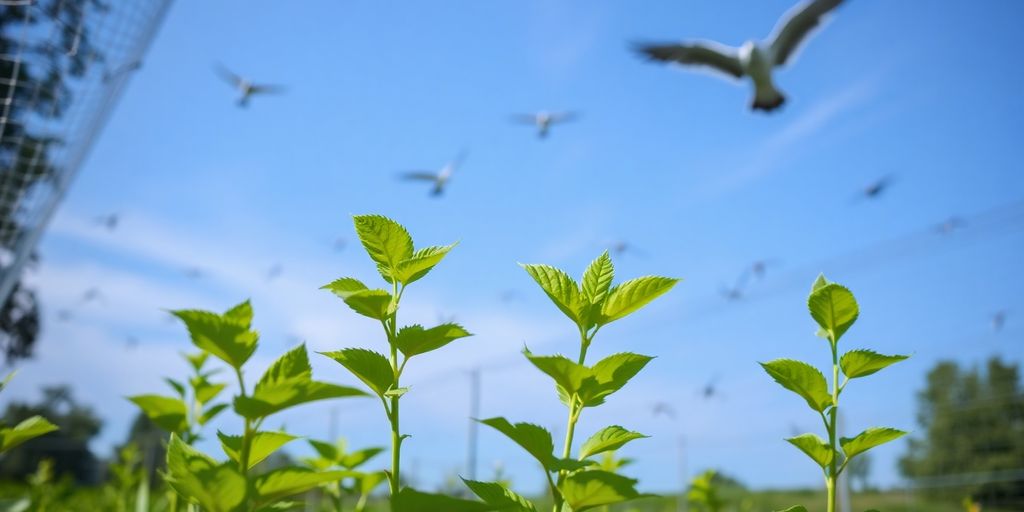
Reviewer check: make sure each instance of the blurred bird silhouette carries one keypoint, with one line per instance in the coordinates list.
(621, 247)
(875, 189)
(439, 179)
(92, 294)
(663, 408)
(340, 244)
(710, 390)
(998, 320)
(246, 88)
(274, 271)
(734, 293)
(109, 221)
(545, 120)
(756, 60)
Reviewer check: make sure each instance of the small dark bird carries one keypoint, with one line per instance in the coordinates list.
(663, 408)
(754, 59)
(439, 179)
(759, 268)
(92, 294)
(274, 271)
(246, 88)
(710, 390)
(877, 188)
(734, 293)
(109, 221)
(998, 320)
(621, 247)
(340, 244)
(545, 120)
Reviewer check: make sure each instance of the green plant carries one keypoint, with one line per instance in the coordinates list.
(834, 308)
(703, 493)
(230, 486)
(30, 428)
(390, 246)
(577, 483)
(336, 456)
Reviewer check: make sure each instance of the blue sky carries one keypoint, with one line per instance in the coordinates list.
(670, 161)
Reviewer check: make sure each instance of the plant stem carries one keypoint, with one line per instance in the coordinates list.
(243, 455)
(833, 474)
(390, 329)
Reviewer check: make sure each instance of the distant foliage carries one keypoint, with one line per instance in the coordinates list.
(972, 426)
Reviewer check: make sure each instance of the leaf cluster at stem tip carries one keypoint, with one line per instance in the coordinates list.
(834, 309)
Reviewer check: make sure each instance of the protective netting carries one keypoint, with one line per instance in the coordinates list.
(63, 65)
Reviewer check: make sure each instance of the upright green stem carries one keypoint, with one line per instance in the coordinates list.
(575, 409)
(390, 329)
(833, 473)
(243, 455)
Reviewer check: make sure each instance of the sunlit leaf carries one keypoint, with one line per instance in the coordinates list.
(169, 413)
(370, 367)
(499, 497)
(375, 304)
(597, 279)
(633, 295)
(344, 287)
(802, 379)
(262, 445)
(197, 477)
(861, 363)
(284, 482)
(536, 440)
(607, 439)
(29, 428)
(595, 488)
(815, 447)
(414, 339)
(411, 500)
(610, 375)
(834, 308)
(386, 241)
(868, 439)
(420, 263)
(561, 289)
(227, 336)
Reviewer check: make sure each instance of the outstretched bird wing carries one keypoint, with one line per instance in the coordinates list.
(267, 89)
(796, 25)
(419, 176)
(523, 118)
(564, 117)
(227, 75)
(706, 53)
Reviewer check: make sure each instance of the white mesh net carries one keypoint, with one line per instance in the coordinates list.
(63, 64)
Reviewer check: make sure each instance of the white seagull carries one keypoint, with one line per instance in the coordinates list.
(439, 179)
(246, 88)
(543, 120)
(753, 59)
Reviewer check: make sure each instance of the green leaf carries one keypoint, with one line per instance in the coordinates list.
(211, 412)
(386, 241)
(30, 428)
(369, 481)
(561, 289)
(287, 383)
(499, 497)
(375, 304)
(263, 444)
(633, 295)
(204, 389)
(178, 387)
(284, 482)
(414, 339)
(795, 508)
(370, 367)
(536, 440)
(568, 374)
(802, 379)
(358, 458)
(396, 392)
(815, 447)
(594, 488)
(169, 413)
(610, 375)
(607, 439)
(411, 500)
(197, 360)
(834, 308)
(226, 336)
(861, 363)
(344, 287)
(868, 439)
(597, 279)
(197, 477)
(421, 262)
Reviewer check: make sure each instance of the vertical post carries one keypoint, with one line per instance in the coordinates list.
(682, 505)
(843, 484)
(474, 413)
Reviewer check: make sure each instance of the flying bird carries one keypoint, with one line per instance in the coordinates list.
(275, 271)
(663, 408)
(710, 390)
(92, 294)
(875, 189)
(439, 179)
(998, 320)
(109, 221)
(950, 225)
(246, 88)
(544, 120)
(754, 59)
